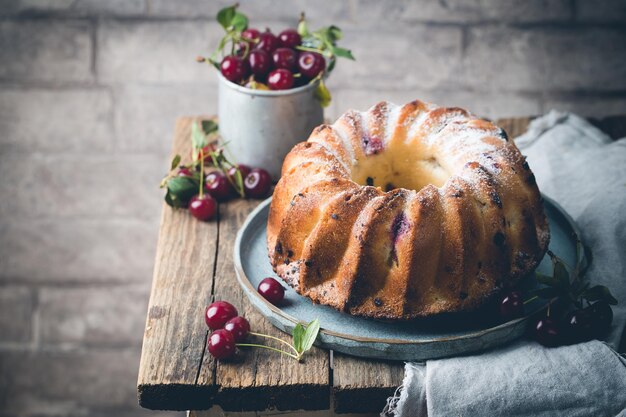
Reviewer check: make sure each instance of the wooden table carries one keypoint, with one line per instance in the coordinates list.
(193, 267)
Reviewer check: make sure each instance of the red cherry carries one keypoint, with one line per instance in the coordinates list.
(267, 42)
(221, 344)
(218, 313)
(257, 183)
(285, 58)
(280, 79)
(203, 207)
(205, 151)
(239, 327)
(244, 169)
(250, 34)
(218, 186)
(260, 63)
(234, 68)
(602, 316)
(289, 38)
(184, 172)
(548, 332)
(511, 306)
(271, 290)
(579, 326)
(311, 64)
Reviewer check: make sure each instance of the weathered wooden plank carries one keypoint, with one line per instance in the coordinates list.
(175, 334)
(363, 385)
(259, 379)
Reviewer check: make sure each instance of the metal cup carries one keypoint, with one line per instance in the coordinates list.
(260, 127)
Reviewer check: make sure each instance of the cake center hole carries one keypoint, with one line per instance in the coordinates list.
(402, 166)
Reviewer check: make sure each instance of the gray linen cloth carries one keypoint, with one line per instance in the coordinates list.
(585, 171)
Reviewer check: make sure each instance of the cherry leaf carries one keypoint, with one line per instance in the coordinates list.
(298, 334)
(322, 94)
(239, 22)
(546, 293)
(226, 15)
(599, 293)
(181, 189)
(209, 126)
(175, 162)
(198, 138)
(342, 52)
(312, 329)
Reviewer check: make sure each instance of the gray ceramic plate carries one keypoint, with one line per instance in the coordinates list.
(413, 340)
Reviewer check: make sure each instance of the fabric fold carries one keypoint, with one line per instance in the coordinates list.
(585, 172)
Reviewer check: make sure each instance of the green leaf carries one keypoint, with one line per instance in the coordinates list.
(303, 28)
(239, 181)
(342, 52)
(312, 329)
(546, 279)
(561, 275)
(226, 15)
(546, 292)
(239, 22)
(198, 138)
(298, 335)
(322, 94)
(599, 293)
(175, 162)
(209, 126)
(181, 189)
(331, 65)
(169, 201)
(334, 33)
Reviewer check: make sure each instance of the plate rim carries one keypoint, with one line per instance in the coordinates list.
(244, 281)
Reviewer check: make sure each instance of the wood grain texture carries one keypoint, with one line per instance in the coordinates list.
(259, 379)
(193, 266)
(363, 385)
(175, 334)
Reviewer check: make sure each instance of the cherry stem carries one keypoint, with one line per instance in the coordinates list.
(201, 172)
(270, 348)
(531, 299)
(277, 339)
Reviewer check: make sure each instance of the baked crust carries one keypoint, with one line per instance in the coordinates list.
(405, 211)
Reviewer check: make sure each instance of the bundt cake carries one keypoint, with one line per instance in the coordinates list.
(405, 211)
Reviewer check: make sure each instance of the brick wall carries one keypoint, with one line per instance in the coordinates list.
(89, 91)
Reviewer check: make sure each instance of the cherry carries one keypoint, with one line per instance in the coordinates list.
(271, 290)
(511, 306)
(578, 326)
(289, 38)
(244, 169)
(205, 151)
(267, 42)
(234, 68)
(280, 79)
(218, 186)
(250, 34)
(203, 207)
(221, 344)
(285, 58)
(311, 64)
(260, 63)
(218, 313)
(239, 327)
(602, 317)
(184, 172)
(548, 332)
(257, 183)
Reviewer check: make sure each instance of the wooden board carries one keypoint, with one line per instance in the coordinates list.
(194, 266)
